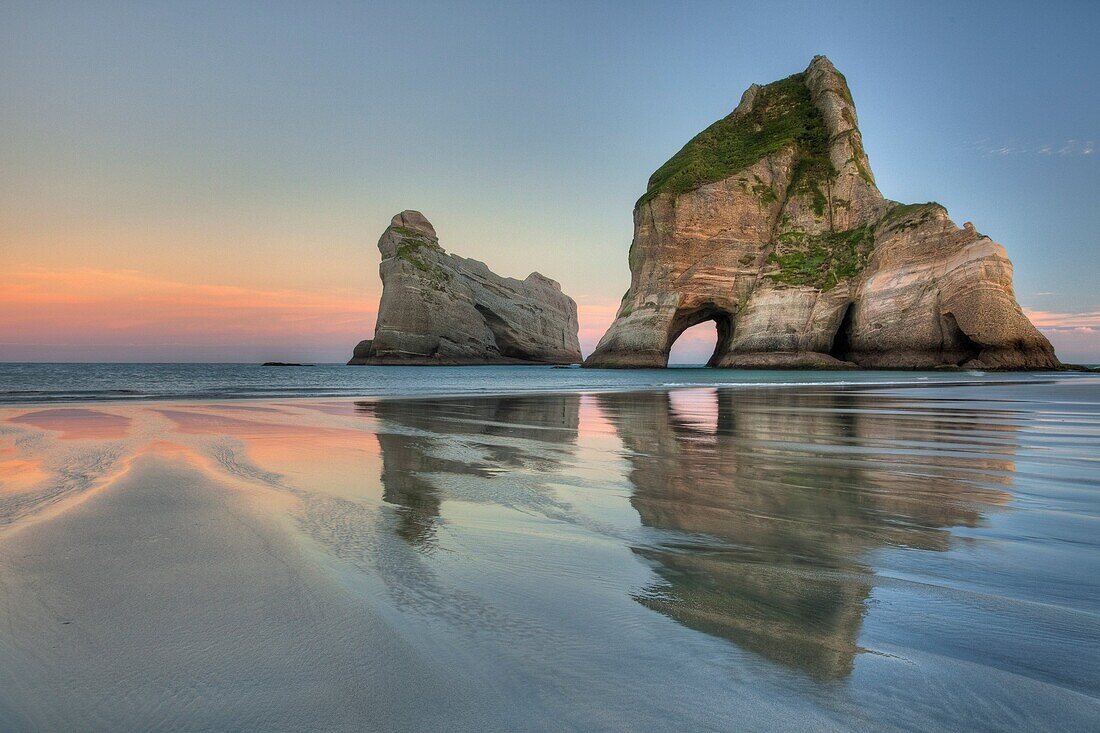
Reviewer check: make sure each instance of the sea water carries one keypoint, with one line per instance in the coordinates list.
(37, 382)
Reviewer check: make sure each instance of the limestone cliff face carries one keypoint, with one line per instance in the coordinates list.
(439, 308)
(769, 223)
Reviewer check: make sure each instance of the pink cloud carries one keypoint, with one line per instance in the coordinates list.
(1075, 336)
(1053, 320)
(73, 312)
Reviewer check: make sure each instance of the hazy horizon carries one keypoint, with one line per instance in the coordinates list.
(207, 182)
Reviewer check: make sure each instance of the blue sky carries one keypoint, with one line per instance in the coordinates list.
(264, 146)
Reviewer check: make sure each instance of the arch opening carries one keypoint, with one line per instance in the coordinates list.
(697, 346)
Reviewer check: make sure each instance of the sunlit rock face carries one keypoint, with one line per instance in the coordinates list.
(439, 308)
(770, 224)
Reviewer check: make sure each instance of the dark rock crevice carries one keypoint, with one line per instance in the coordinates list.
(506, 344)
(958, 348)
(841, 347)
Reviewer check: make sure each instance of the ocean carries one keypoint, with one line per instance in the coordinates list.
(66, 382)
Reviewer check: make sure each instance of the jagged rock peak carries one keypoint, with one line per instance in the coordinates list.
(769, 222)
(808, 117)
(439, 308)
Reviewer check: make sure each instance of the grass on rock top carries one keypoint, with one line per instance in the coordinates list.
(910, 215)
(783, 114)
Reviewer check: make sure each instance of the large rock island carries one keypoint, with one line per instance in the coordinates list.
(439, 308)
(769, 223)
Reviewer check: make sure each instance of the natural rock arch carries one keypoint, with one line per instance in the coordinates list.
(687, 318)
(771, 216)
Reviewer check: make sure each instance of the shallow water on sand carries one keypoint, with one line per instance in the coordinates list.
(813, 558)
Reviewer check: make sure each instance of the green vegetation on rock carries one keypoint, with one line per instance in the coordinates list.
(845, 91)
(782, 115)
(858, 160)
(858, 157)
(909, 216)
(764, 192)
(821, 260)
(410, 251)
(408, 233)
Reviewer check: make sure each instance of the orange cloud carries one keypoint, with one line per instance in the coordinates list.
(103, 315)
(93, 315)
(47, 311)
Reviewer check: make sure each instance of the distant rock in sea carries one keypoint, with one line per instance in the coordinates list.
(439, 308)
(769, 223)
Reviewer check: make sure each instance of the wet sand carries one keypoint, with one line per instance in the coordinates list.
(821, 558)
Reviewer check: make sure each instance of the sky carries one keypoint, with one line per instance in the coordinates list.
(207, 181)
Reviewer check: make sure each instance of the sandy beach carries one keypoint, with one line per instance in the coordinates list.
(822, 558)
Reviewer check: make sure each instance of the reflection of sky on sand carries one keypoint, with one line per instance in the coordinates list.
(77, 423)
(731, 548)
(310, 456)
(16, 473)
(93, 445)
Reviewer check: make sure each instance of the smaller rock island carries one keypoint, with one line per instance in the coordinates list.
(442, 309)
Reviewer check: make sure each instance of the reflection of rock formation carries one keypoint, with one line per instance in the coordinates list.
(791, 488)
(404, 459)
(498, 427)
